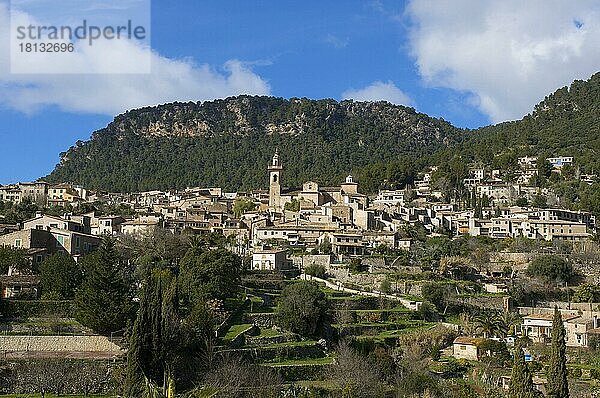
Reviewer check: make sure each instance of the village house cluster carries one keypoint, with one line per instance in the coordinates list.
(304, 218)
(581, 323)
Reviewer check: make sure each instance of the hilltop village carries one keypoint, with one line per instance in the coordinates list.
(468, 275)
(307, 217)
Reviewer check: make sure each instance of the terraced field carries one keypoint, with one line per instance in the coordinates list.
(254, 335)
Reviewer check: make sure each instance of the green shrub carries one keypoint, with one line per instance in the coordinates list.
(38, 308)
(385, 286)
(575, 373)
(551, 268)
(356, 266)
(316, 270)
(302, 308)
(302, 372)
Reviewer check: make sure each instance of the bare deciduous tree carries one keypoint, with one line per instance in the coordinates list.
(235, 378)
(354, 375)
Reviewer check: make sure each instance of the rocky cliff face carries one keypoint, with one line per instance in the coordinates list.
(244, 115)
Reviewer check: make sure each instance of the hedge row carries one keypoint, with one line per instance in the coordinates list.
(302, 372)
(37, 308)
(287, 352)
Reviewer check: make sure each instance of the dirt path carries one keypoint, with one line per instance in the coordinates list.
(410, 304)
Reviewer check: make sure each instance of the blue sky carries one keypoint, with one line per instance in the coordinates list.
(472, 62)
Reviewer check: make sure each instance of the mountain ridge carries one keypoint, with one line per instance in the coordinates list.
(311, 131)
(228, 142)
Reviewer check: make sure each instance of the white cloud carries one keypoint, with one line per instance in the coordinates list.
(336, 41)
(379, 91)
(509, 53)
(169, 80)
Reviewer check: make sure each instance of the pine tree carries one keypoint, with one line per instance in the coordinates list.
(558, 385)
(104, 299)
(521, 384)
(155, 340)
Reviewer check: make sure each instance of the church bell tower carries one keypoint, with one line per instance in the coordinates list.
(275, 171)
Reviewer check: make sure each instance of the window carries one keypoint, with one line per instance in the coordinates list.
(17, 242)
(61, 240)
(77, 241)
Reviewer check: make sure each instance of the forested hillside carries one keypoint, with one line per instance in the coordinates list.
(565, 123)
(229, 143)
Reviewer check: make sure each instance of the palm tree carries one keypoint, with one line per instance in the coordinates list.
(508, 323)
(468, 326)
(488, 323)
(196, 243)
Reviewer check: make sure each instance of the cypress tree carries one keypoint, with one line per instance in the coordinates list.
(558, 385)
(521, 384)
(154, 342)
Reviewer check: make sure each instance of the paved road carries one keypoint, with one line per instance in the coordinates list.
(411, 304)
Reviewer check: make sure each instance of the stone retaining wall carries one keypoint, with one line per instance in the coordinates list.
(315, 259)
(289, 352)
(58, 344)
(517, 261)
(261, 341)
(496, 303)
(262, 320)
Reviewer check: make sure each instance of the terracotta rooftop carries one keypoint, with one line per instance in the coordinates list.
(550, 317)
(469, 340)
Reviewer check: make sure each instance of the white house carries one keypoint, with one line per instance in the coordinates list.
(467, 348)
(538, 327)
(561, 161)
(269, 260)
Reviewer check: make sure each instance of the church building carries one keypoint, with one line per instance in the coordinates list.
(311, 195)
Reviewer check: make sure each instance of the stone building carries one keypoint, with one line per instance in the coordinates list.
(311, 194)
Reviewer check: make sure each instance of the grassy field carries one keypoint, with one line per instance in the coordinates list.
(307, 361)
(234, 330)
(291, 344)
(269, 333)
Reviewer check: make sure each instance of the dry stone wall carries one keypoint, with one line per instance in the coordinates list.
(58, 344)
